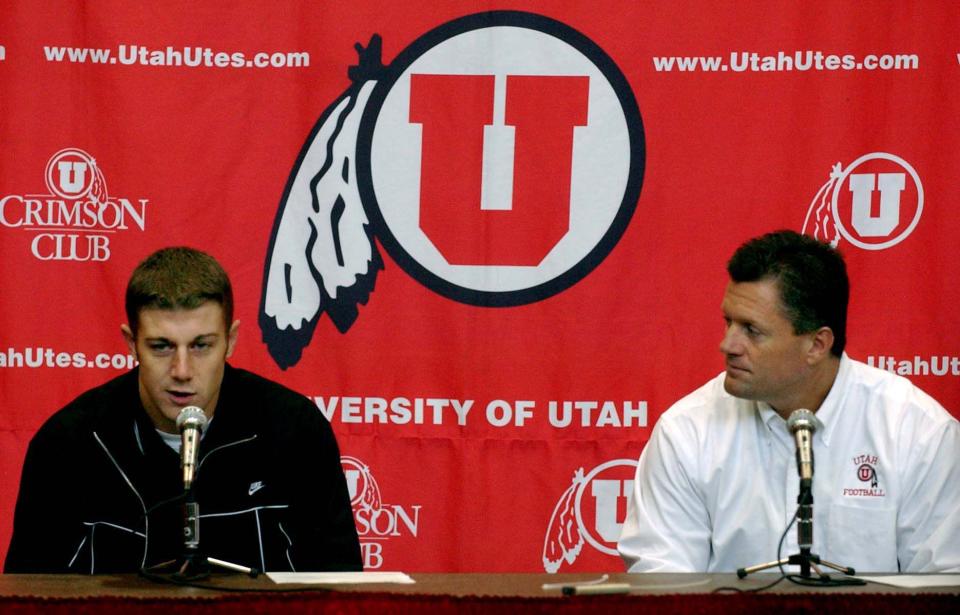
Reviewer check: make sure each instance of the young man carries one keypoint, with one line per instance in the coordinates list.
(717, 483)
(101, 487)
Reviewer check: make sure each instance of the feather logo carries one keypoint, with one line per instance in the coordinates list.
(564, 540)
(587, 513)
(819, 222)
(322, 256)
(475, 170)
(98, 190)
(847, 206)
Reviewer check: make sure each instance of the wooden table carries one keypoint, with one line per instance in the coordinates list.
(460, 593)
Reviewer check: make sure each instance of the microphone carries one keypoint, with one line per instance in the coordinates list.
(191, 422)
(802, 424)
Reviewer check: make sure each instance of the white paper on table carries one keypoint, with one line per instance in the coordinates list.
(915, 580)
(339, 577)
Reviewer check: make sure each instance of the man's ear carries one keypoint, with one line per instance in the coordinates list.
(130, 339)
(232, 337)
(821, 343)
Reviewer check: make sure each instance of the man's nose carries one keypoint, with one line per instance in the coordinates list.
(729, 344)
(181, 368)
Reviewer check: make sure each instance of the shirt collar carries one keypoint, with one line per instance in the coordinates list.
(829, 409)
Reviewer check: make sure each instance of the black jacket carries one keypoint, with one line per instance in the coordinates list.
(269, 485)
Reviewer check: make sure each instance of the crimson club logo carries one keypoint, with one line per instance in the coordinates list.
(590, 512)
(498, 160)
(76, 219)
(874, 203)
(377, 523)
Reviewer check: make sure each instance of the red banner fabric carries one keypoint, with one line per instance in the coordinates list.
(487, 238)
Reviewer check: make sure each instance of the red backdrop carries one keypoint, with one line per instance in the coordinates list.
(540, 338)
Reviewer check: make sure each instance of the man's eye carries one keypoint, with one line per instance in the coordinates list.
(160, 347)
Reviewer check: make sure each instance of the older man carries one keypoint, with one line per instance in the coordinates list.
(717, 485)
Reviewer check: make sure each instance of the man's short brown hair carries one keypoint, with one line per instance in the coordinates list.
(177, 278)
(811, 275)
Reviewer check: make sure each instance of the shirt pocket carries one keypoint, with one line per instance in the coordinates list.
(861, 536)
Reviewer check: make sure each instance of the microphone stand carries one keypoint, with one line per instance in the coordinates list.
(806, 559)
(194, 564)
(802, 424)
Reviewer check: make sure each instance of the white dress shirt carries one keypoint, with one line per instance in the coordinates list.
(717, 483)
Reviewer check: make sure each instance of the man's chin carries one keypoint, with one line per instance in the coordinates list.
(735, 387)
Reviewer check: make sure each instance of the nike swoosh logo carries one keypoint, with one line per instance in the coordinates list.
(255, 487)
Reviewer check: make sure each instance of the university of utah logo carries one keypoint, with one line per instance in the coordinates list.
(590, 511)
(875, 203)
(498, 159)
(866, 472)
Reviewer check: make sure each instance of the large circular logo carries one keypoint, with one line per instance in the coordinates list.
(500, 158)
